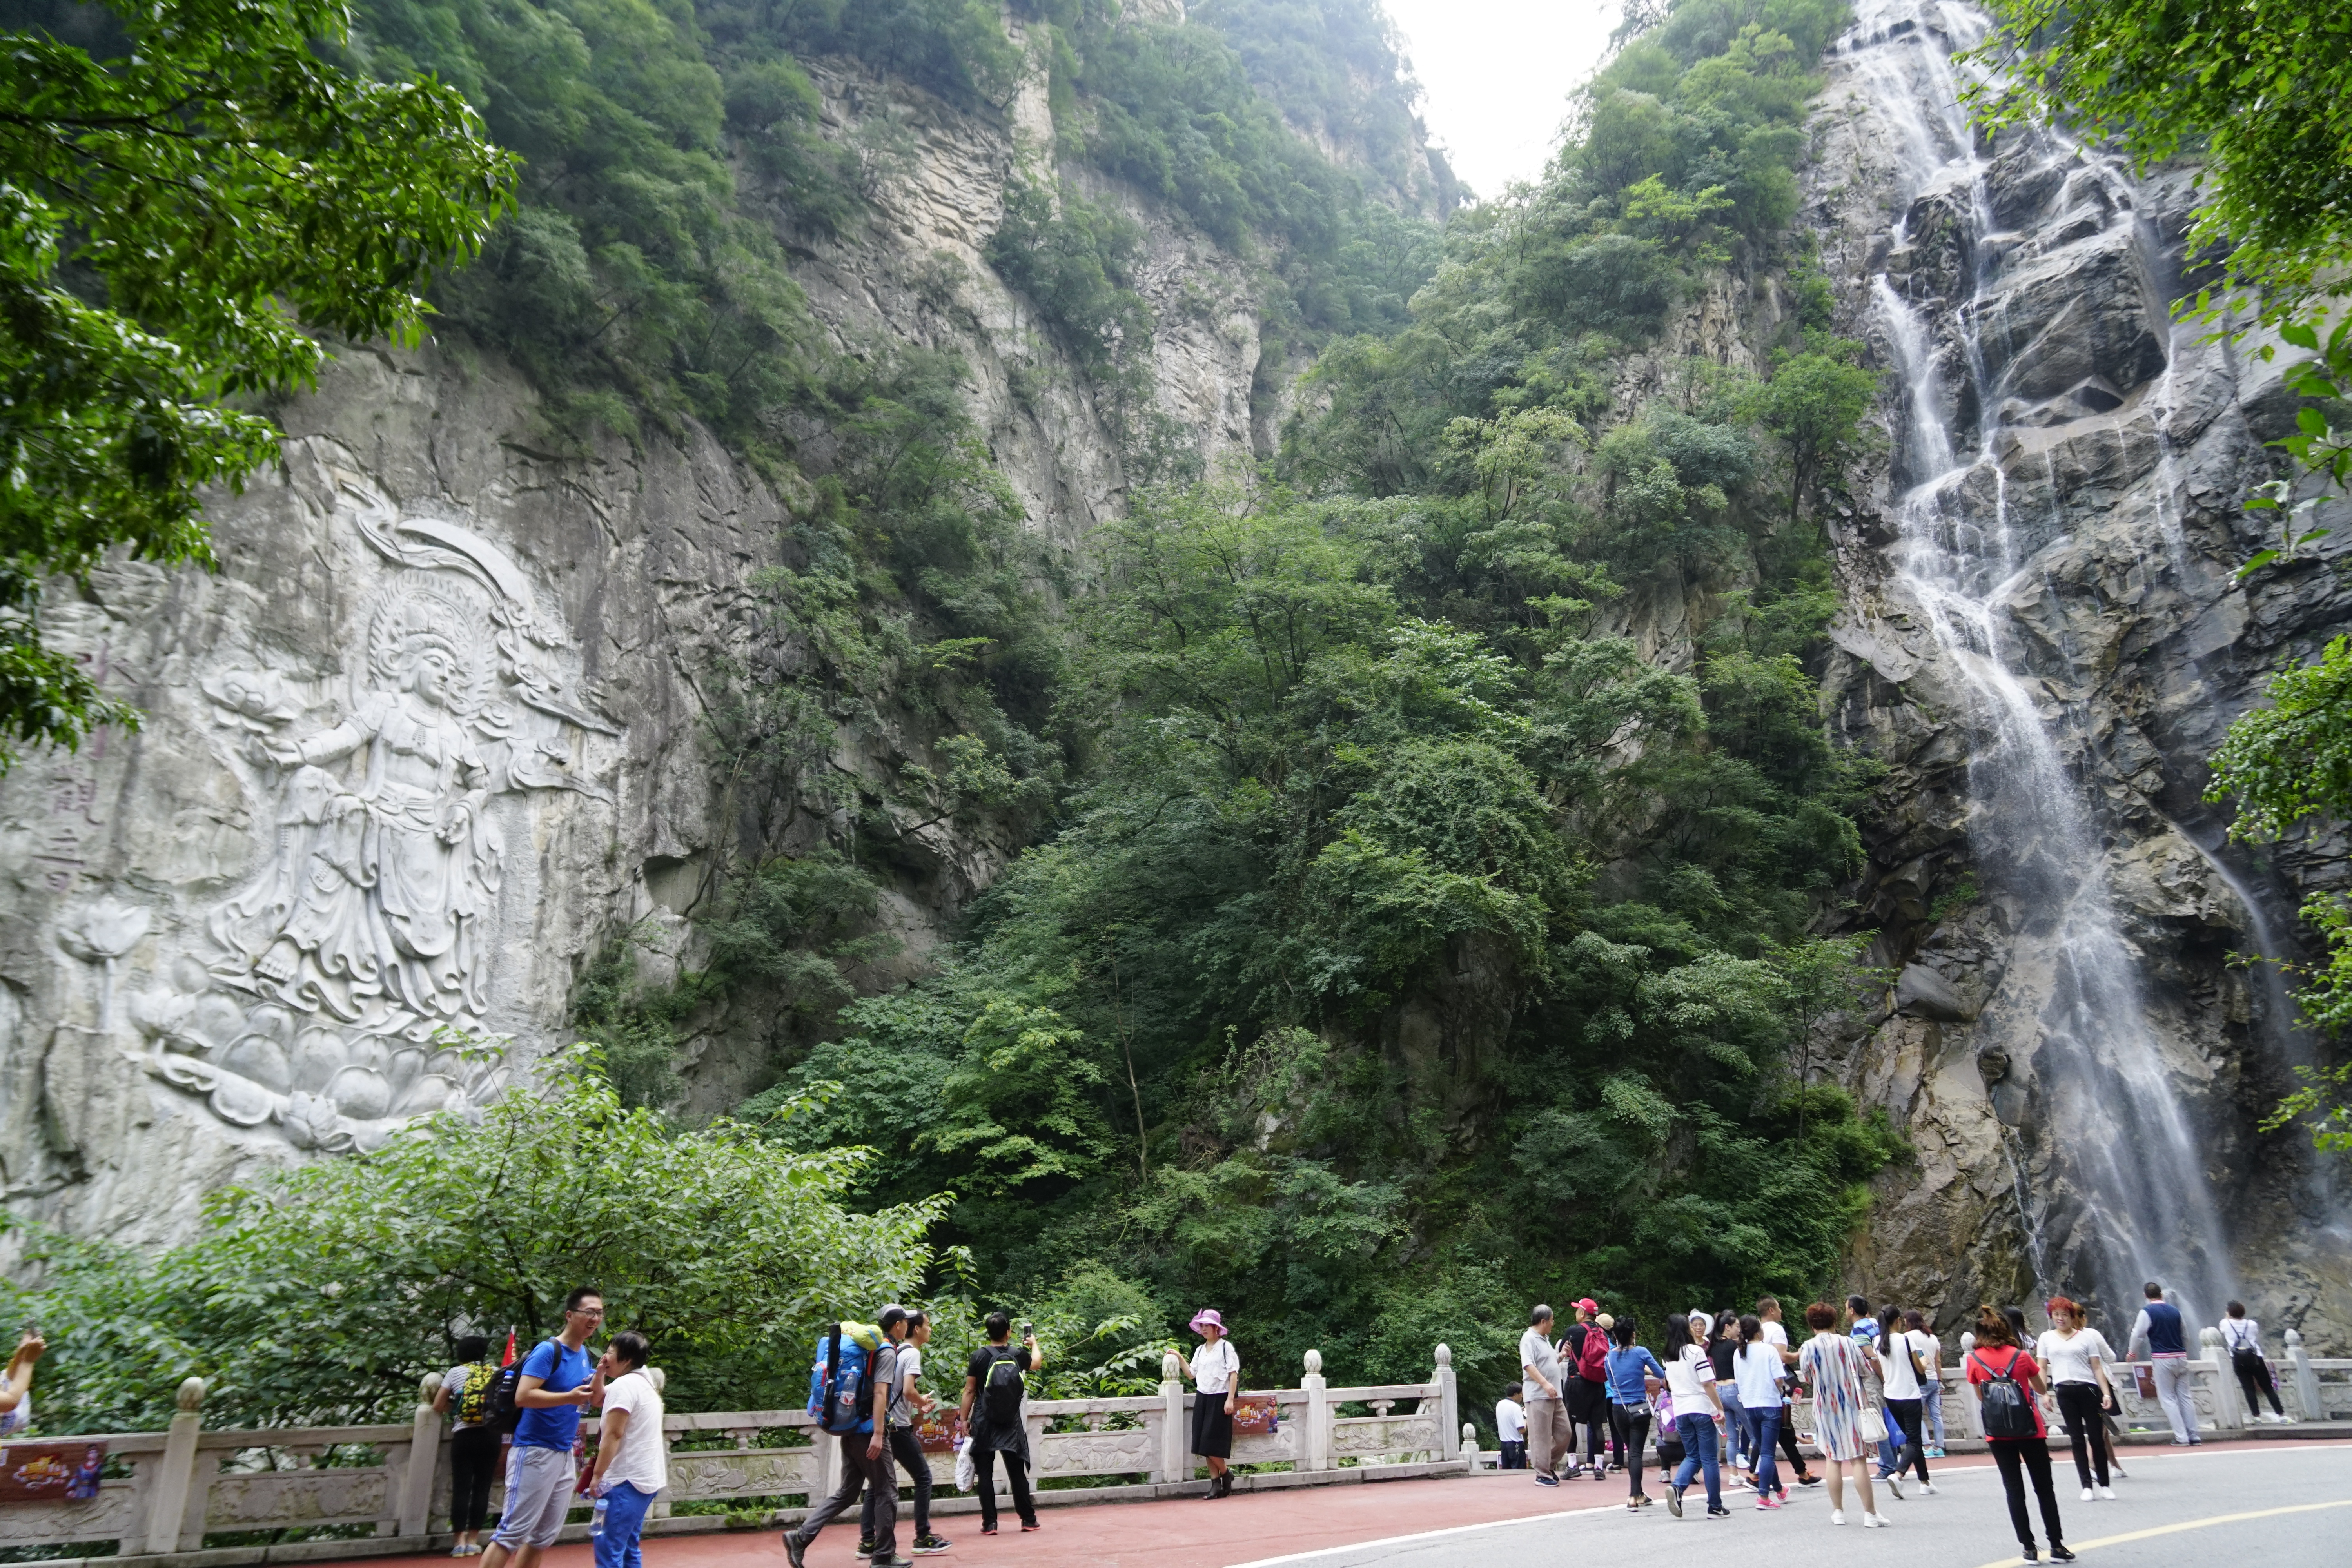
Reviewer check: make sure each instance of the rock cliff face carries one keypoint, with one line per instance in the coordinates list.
(434, 732)
(2043, 637)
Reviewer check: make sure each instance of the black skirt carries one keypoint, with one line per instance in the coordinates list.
(1212, 1429)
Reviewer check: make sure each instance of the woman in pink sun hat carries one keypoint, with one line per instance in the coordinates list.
(1216, 1372)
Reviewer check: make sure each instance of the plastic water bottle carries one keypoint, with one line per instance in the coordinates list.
(596, 1519)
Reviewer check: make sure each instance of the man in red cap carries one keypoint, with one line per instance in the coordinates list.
(1584, 1355)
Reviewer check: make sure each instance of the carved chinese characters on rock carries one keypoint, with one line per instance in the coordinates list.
(347, 988)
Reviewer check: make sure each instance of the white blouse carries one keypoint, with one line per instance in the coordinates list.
(1214, 1366)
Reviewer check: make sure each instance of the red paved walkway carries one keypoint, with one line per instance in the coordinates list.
(1189, 1533)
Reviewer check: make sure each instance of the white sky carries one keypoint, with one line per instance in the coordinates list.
(1498, 74)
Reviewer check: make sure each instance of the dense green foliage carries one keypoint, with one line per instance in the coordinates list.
(2283, 764)
(1391, 939)
(323, 1294)
(1405, 946)
(183, 188)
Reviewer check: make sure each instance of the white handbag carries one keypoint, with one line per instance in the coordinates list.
(1874, 1425)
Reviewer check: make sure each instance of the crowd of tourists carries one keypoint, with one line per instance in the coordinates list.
(1713, 1405)
(1717, 1396)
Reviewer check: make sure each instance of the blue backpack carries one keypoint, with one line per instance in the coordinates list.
(841, 1378)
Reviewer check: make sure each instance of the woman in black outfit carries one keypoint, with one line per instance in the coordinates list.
(1998, 1358)
(473, 1443)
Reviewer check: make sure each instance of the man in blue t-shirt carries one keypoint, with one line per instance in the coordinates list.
(559, 1380)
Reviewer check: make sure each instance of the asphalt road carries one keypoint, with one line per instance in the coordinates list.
(2276, 1507)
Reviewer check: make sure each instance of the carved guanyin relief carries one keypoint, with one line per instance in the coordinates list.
(342, 990)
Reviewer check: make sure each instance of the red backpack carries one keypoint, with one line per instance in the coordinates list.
(1592, 1356)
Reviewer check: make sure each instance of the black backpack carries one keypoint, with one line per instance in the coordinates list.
(2008, 1409)
(1000, 1395)
(503, 1410)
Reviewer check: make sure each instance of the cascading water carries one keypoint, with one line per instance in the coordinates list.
(2112, 1182)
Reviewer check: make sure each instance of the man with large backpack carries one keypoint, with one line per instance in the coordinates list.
(553, 1385)
(850, 1383)
(993, 1389)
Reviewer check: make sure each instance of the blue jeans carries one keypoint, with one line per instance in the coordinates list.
(624, 1523)
(1734, 1424)
(1698, 1449)
(1763, 1431)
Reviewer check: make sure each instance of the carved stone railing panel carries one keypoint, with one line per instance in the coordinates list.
(711, 1476)
(282, 1499)
(1097, 1453)
(118, 1510)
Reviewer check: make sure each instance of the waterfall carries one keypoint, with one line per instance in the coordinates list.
(2113, 1184)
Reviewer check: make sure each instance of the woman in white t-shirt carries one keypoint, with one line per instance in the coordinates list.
(2076, 1359)
(474, 1443)
(1903, 1374)
(16, 1384)
(632, 1453)
(1216, 1370)
(2241, 1341)
(1690, 1379)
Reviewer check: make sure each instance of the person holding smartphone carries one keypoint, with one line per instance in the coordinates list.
(17, 1382)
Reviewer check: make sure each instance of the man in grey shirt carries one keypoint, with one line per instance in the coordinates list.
(1550, 1438)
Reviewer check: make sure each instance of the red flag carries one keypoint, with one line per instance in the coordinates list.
(510, 1359)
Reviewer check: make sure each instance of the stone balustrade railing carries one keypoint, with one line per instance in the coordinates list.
(309, 1493)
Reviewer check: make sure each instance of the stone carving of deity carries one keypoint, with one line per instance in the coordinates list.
(390, 869)
(349, 985)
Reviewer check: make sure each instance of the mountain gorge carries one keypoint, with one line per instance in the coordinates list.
(1044, 594)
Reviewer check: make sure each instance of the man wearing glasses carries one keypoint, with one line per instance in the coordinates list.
(558, 1381)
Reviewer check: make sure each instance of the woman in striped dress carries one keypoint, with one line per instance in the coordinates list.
(1831, 1365)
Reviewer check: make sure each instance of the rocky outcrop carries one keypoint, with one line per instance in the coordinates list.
(2074, 582)
(435, 733)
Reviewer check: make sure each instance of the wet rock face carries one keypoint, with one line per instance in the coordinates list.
(2119, 452)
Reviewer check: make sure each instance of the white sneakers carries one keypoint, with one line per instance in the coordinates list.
(2106, 1494)
(1837, 1516)
(1928, 1488)
(1876, 1522)
(2088, 1494)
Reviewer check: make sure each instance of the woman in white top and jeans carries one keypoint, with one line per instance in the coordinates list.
(1690, 1378)
(1903, 1376)
(1759, 1372)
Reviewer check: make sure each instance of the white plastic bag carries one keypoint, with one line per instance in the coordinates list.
(967, 1478)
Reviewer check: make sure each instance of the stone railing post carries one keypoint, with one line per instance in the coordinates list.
(1470, 1448)
(2226, 1412)
(1314, 1441)
(1175, 1444)
(2306, 1381)
(1449, 1406)
(827, 1450)
(1969, 1390)
(424, 1461)
(175, 1475)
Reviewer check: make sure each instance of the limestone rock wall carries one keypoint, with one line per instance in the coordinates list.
(433, 734)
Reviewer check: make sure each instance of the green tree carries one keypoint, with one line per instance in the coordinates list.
(2284, 764)
(1814, 404)
(178, 203)
(324, 1293)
